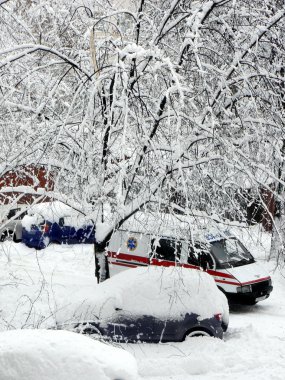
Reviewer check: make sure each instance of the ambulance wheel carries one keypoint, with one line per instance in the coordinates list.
(252, 302)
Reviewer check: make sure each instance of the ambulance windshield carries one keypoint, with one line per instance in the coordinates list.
(230, 253)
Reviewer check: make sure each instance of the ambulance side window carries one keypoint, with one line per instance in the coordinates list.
(204, 258)
(166, 249)
(192, 257)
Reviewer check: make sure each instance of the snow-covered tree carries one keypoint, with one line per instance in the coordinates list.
(145, 104)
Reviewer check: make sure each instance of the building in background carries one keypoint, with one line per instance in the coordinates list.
(26, 184)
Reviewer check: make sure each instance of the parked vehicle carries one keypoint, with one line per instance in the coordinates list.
(221, 255)
(154, 304)
(11, 224)
(51, 223)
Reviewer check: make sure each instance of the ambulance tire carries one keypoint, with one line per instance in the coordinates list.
(197, 332)
(252, 302)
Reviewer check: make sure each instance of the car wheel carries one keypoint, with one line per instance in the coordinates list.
(8, 235)
(87, 328)
(197, 332)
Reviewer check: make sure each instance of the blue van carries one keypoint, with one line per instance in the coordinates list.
(42, 234)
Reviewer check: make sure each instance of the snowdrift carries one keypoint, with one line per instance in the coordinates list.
(61, 355)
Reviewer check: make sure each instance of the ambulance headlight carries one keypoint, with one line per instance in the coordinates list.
(244, 289)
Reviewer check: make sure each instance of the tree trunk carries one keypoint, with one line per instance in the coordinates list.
(101, 264)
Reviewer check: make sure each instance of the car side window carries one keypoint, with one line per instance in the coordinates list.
(61, 222)
(12, 212)
(21, 216)
(166, 249)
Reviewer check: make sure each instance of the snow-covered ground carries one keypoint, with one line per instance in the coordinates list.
(34, 285)
(38, 354)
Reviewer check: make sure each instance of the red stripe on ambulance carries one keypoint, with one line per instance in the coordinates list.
(132, 260)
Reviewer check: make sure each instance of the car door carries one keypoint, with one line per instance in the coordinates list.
(54, 232)
(173, 329)
(125, 326)
(86, 234)
(68, 232)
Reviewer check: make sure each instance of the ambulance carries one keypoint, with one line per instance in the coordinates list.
(219, 253)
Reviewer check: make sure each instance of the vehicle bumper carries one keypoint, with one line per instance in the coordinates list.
(34, 242)
(260, 292)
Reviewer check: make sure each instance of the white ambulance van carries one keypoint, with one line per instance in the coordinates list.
(220, 254)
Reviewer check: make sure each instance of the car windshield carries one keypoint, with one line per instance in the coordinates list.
(230, 253)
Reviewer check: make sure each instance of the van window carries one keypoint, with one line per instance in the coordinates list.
(21, 216)
(199, 255)
(12, 213)
(192, 257)
(166, 249)
(230, 253)
(15, 211)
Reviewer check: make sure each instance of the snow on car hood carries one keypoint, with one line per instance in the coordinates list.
(165, 293)
(249, 273)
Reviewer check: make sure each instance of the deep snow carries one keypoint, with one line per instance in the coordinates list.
(33, 284)
(61, 355)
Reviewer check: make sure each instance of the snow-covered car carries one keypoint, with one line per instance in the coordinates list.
(154, 304)
(54, 222)
(61, 355)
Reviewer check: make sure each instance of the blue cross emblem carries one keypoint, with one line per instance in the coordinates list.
(132, 243)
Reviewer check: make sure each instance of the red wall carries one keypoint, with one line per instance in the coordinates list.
(33, 176)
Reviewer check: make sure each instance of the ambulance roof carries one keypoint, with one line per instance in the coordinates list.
(176, 226)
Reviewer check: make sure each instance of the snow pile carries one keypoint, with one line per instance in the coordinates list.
(165, 293)
(29, 220)
(61, 355)
(33, 283)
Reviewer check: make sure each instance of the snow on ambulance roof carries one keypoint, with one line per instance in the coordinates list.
(61, 355)
(162, 292)
(199, 227)
(218, 235)
(162, 224)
